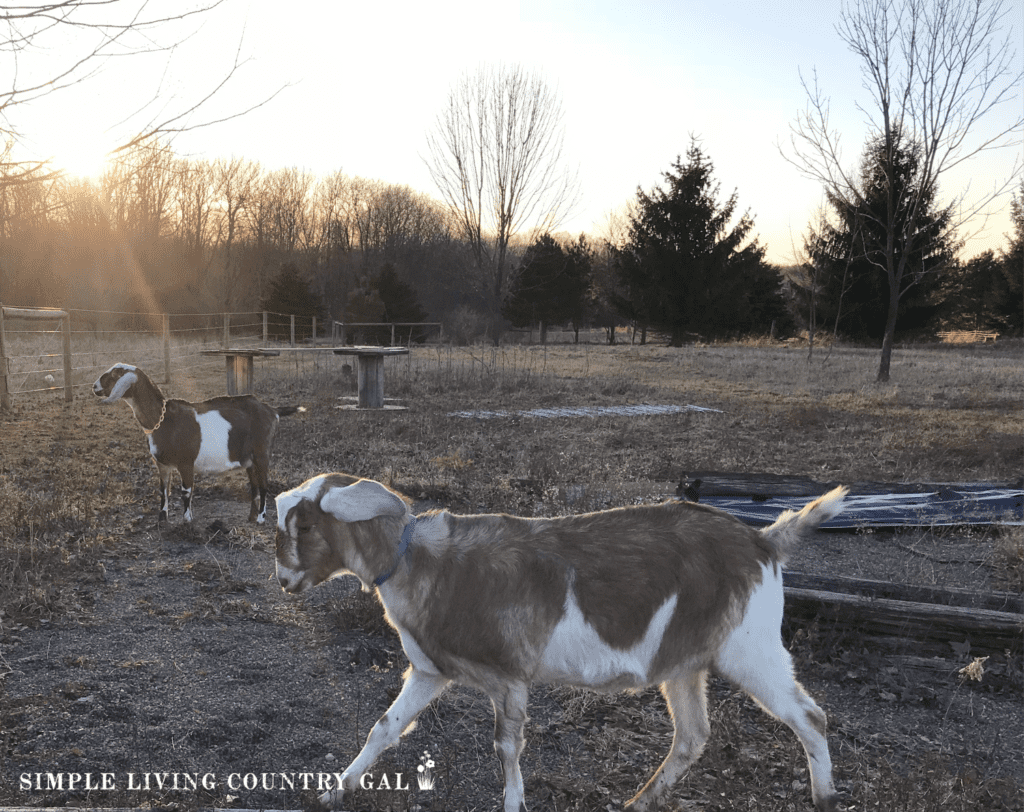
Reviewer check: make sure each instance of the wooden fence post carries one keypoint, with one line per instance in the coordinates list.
(293, 331)
(65, 328)
(5, 393)
(314, 331)
(227, 331)
(266, 332)
(167, 347)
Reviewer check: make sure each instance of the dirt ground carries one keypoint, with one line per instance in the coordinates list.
(178, 674)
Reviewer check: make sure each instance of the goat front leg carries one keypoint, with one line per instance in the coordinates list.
(419, 690)
(687, 703)
(165, 472)
(509, 720)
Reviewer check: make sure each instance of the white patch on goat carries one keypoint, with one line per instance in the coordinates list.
(576, 654)
(758, 631)
(213, 444)
(286, 500)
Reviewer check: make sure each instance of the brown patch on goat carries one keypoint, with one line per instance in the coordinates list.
(709, 559)
(498, 624)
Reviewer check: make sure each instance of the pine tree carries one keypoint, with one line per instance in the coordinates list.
(551, 285)
(290, 295)
(684, 269)
(849, 250)
(1008, 290)
(400, 302)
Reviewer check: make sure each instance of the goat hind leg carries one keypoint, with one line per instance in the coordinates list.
(509, 719)
(766, 673)
(419, 690)
(188, 478)
(687, 702)
(259, 482)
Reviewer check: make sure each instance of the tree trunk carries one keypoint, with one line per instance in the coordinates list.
(890, 330)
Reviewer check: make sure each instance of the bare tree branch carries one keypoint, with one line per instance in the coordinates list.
(97, 31)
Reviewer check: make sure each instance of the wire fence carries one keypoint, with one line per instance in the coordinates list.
(44, 349)
(49, 350)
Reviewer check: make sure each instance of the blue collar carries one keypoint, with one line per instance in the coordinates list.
(403, 548)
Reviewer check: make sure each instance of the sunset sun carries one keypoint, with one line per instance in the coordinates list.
(81, 155)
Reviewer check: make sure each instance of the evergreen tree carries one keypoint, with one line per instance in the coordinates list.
(969, 294)
(1008, 290)
(684, 269)
(551, 286)
(849, 249)
(580, 270)
(290, 295)
(400, 302)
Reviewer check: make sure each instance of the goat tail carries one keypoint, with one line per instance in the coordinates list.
(284, 411)
(792, 524)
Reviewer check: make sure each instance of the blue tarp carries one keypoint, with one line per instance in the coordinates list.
(955, 505)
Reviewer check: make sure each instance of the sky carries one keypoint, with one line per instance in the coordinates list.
(359, 85)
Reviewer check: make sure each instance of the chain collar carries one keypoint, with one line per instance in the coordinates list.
(163, 412)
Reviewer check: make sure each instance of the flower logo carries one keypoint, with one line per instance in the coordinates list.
(425, 778)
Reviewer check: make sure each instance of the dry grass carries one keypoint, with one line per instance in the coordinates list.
(74, 480)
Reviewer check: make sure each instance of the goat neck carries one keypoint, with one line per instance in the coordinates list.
(146, 401)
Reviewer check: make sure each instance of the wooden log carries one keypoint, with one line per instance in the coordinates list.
(987, 630)
(946, 596)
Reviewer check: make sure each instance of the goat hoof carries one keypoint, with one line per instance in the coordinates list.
(332, 799)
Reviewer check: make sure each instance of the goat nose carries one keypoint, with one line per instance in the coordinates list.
(289, 582)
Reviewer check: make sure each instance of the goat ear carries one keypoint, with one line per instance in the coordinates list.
(124, 383)
(363, 500)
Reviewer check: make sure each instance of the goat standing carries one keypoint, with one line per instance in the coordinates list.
(211, 437)
(616, 600)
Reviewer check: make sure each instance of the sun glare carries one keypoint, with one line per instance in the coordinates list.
(81, 157)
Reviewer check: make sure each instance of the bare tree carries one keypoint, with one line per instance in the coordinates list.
(496, 157)
(936, 70)
(233, 182)
(195, 200)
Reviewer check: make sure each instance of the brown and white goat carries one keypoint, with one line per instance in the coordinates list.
(211, 437)
(621, 599)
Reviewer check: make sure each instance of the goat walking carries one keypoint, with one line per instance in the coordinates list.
(211, 437)
(615, 600)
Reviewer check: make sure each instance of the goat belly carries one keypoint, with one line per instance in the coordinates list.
(213, 457)
(576, 654)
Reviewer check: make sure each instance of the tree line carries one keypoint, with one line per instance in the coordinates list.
(160, 233)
